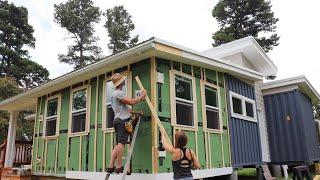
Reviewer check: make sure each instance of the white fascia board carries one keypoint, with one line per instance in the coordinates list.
(236, 47)
(219, 63)
(299, 80)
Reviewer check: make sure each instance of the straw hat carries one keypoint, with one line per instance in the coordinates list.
(117, 79)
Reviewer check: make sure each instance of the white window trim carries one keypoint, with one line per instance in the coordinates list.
(244, 112)
(104, 96)
(88, 100)
(58, 96)
(173, 99)
(205, 106)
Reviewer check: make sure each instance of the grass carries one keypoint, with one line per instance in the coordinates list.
(251, 172)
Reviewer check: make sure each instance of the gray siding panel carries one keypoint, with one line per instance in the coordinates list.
(244, 135)
(291, 141)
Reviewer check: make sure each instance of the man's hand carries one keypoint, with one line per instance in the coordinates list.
(143, 94)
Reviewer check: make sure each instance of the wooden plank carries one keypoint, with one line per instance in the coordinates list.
(153, 111)
(153, 93)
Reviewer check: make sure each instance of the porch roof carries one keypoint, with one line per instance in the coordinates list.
(152, 47)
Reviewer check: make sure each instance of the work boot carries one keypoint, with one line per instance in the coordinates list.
(119, 170)
(111, 170)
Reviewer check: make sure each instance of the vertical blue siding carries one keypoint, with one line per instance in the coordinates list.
(294, 141)
(244, 135)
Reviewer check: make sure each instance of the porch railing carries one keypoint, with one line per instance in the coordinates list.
(22, 154)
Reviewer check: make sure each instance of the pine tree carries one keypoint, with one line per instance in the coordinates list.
(119, 26)
(15, 35)
(241, 18)
(78, 18)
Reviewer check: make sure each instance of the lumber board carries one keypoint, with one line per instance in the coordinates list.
(153, 111)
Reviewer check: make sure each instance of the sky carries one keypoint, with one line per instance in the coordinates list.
(188, 23)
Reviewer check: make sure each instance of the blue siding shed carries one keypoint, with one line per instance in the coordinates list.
(244, 134)
(291, 128)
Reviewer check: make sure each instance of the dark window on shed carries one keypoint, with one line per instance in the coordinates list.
(79, 110)
(212, 109)
(249, 109)
(51, 117)
(184, 101)
(236, 105)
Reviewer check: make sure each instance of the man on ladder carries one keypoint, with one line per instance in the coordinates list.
(122, 112)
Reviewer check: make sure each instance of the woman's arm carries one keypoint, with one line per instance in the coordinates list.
(196, 164)
(167, 146)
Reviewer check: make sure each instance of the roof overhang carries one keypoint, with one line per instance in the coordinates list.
(152, 47)
(299, 82)
(248, 47)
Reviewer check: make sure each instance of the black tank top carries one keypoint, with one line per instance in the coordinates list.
(182, 167)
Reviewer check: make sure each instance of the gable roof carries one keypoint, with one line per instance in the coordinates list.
(250, 48)
(299, 82)
(151, 47)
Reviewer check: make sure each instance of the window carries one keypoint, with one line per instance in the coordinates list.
(242, 107)
(51, 117)
(184, 101)
(109, 114)
(79, 111)
(211, 107)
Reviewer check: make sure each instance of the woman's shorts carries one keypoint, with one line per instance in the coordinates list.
(121, 133)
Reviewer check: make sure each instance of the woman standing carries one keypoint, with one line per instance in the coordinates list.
(183, 158)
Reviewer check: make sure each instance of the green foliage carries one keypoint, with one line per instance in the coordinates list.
(8, 88)
(119, 25)
(241, 18)
(78, 18)
(16, 34)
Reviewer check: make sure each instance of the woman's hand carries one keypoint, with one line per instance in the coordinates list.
(143, 94)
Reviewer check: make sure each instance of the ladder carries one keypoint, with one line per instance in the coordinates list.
(128, 159)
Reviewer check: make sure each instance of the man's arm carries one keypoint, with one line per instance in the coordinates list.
(133, 101)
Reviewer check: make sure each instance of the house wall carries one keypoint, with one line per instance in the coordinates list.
(212, 148)
(244, 134)
(91, 151)
(262, 122)
(291, 129)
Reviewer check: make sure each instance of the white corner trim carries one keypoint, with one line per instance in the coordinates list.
(197, 174)
(244, 113)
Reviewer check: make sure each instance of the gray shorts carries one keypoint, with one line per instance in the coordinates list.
(121, 133)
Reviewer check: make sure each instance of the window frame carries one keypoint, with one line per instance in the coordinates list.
(173, 73)
(243, 105)
(44, 134)
(203, 84)
(88, 100)
(104, 96)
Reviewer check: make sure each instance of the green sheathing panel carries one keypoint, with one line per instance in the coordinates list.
(142, 69)
(216, 150)
(226, 150)
(142, 154)
(163, 66)
(165, 164)
(63, 135)
(100, 132)
(51, 156)
(84, 164)
(36, 138)
(107, 147)
(73, 163)
(90, 138)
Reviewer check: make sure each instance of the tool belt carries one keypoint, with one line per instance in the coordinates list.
(130, 125)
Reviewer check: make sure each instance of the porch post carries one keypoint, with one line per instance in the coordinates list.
(10, 151)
